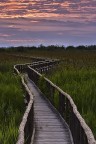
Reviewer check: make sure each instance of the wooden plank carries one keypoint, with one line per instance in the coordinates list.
(50, 129)
(40, 142)
(51, 140)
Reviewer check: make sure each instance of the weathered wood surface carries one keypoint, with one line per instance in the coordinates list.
(26, 129)
(50, 128)
(81, 133)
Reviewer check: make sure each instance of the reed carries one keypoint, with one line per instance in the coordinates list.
(11, 101)
(80, 83)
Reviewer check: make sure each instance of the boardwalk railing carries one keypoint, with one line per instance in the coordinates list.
(81, 133)
(37, 65)
(27, 127)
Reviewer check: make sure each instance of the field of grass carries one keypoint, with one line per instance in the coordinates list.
(11, 100)
(11, 107)
(76, 75)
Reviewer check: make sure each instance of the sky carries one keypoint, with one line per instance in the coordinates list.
(47, 22)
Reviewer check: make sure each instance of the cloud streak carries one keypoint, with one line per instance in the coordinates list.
(58, 18)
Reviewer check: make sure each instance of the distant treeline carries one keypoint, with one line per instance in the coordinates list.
(50, 47)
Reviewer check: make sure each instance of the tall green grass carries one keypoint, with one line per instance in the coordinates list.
(11, 107)
(80, 83)
(77, 76)
(11, 100)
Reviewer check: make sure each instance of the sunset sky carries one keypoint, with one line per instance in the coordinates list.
(35, 22)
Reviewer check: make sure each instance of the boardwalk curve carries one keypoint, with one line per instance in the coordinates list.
(81, 133)
(49, 127)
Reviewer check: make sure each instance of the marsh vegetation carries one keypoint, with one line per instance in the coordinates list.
(11, 100)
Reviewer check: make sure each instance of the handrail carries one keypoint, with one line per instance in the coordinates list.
(23, 67)
(26, 128)
(80, 131)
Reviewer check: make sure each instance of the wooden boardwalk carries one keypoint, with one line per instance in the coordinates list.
(50, 127)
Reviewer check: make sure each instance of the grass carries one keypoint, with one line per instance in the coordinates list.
(11, 107)
(80, 83)
(11, 100)
(76, 75)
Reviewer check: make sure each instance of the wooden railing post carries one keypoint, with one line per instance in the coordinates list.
(29, 126)
(61, 104)
(67, 111)
(71, 125)
(52, 91)
(49, 92)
